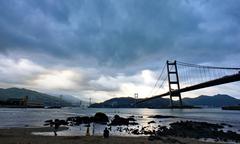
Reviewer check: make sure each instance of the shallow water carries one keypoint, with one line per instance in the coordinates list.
(10, 117)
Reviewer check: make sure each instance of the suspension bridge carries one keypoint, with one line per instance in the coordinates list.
(192, 77)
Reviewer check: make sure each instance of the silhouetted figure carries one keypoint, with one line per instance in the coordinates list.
(55, 132)
(87, 132)
(56, 126)
(93, 129)
(106, 133)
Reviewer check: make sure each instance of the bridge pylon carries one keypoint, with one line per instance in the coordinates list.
(173, 82)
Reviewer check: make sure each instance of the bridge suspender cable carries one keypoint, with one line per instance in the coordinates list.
(205, 71)
(159, 78)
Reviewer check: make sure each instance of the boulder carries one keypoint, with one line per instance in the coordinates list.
(161, 116)
(55, 123)
(131, 119)
(151, 122)
(198, 130)
(117, 120)
(100, 118)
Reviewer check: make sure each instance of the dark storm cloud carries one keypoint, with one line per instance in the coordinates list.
(107, 48)
(117, 33)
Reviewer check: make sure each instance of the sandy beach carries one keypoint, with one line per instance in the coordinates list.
(24, 136)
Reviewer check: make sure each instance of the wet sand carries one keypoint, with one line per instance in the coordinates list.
(24, 136)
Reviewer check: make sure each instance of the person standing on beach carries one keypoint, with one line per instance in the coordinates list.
(87, 132)
(106, 133)
(56, 126)
(93, 129)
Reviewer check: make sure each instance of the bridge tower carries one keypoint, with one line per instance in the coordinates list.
(173, 82)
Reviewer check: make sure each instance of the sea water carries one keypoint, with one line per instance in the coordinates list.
(24, 117)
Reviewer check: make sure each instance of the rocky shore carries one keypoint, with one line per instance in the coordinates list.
(24, 136)
(183, 129)
(197, 130)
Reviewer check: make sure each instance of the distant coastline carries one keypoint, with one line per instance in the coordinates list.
(215, 101)
(26, 98)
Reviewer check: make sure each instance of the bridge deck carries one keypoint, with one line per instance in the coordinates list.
(219, 81)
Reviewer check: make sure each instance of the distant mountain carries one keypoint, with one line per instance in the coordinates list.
(129, 102)
(219, 100)
(155, 103)
(207, 101)
(33, 96)
(123, 102)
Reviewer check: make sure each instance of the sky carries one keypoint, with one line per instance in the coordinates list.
(102, 49)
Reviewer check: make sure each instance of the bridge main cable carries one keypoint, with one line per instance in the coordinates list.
(218, 81)
(209, 67)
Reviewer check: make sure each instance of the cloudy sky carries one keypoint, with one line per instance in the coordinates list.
(111, 48)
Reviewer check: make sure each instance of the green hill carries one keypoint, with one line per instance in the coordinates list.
(33, 96)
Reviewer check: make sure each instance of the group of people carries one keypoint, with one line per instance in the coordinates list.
(105, 131)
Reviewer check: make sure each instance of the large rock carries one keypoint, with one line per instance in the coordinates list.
(151, 122)
(101, 118)
(97, 118)
(161, 116)
(79, 120)
(117, 120)
(55, 123)
(198, 130)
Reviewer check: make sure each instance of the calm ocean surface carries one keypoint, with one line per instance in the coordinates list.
(10, 117)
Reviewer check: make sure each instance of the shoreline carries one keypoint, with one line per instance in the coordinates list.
(25, 136)
(135, 126)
